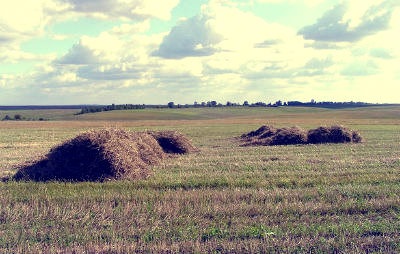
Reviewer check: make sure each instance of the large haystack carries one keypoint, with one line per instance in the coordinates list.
(97, 156)
(268, 135)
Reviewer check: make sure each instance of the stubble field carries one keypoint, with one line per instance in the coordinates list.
(340, 198)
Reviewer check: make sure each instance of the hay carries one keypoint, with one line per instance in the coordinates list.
(333, 134)
(289, 136)
(97, 156)
(268, 135)
(173, 142)
(319, 135)
(260, 131)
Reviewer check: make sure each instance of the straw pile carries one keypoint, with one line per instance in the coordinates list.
(268, 136)
(104, 154)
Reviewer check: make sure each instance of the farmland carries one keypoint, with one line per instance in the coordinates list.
(226, 198)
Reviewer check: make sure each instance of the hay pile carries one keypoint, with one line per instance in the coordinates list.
(268, 136)
(104, 154)
(333, 134)
(173, 142)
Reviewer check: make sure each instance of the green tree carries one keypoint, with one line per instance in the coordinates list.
(171, 104)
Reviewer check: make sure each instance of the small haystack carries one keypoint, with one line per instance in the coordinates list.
(268, 135)
(173, 142)
(97, 156)
(333, 134)
(264, 130)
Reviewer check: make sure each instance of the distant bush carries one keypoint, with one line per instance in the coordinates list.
(7, 118)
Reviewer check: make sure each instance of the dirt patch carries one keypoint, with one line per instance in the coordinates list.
(97, 156)
(268, 136)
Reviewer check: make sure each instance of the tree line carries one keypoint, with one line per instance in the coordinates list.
(213, 103)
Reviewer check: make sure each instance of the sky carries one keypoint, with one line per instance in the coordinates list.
(153, 52)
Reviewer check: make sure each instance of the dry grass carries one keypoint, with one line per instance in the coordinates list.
(105, 154)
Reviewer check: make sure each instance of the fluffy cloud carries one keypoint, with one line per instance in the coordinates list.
(131, 9)
(222, 53)
(350, 22)
(104, 48)
(21, 19)
(219, 27)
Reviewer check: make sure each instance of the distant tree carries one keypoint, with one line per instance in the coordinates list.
(245, 103)
(17, 117)
(278, 103)
(7, 118)
(213, 103)
(258, 104)
(171, 104)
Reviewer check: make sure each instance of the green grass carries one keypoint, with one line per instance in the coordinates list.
(336, 198)
(35, 115)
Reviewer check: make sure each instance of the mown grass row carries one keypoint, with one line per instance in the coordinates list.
(302, 218)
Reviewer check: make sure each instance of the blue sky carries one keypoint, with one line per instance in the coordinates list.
(151, 51)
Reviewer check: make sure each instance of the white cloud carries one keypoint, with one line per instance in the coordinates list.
(307, 2)
(218, 28)
(130, 9)
(351, 21)
(90, 50)
(223, 53)
(19, 18)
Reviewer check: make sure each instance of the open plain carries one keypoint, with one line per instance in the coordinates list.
(328, 198)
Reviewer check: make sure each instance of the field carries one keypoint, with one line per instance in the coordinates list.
(331, 198)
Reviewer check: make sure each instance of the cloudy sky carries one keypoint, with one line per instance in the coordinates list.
(152, 51)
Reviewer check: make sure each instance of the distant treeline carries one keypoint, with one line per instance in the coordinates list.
(101, 108)
(40, 107)
(330, 104)
(279, 103)
(84, 109)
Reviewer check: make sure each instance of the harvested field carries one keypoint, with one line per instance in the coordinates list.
(226, 198)
(105, 154)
